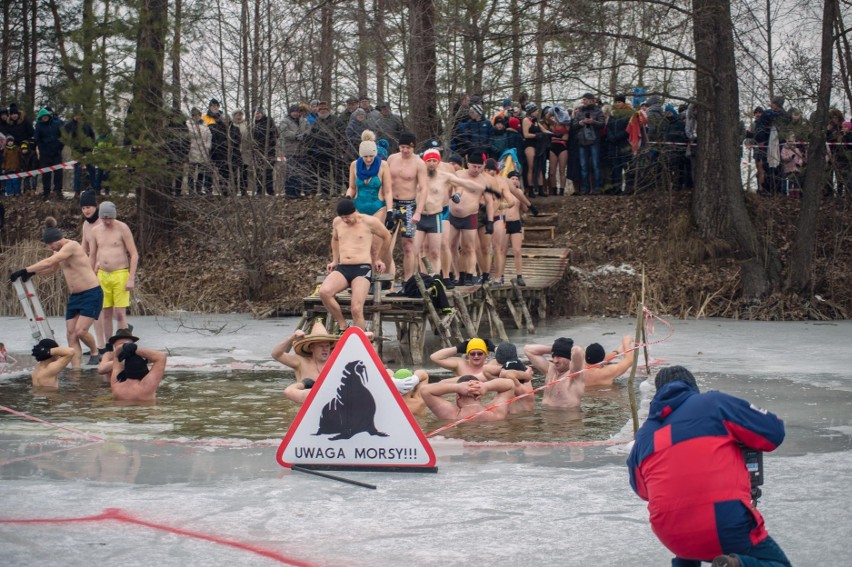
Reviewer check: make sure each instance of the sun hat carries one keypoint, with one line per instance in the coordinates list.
(319, 334)
(122, 334)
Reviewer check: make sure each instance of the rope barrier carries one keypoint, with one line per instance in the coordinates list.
(39, 171)
(648, 315)
(63, 427)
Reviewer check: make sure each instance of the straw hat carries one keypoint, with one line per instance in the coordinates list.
(319, 334)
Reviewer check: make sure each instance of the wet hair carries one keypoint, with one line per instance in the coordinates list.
(467, 378)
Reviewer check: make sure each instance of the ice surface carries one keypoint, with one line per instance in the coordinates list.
(487, 505)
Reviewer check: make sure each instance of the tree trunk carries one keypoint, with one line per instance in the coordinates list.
(175, 55)
(326, 60)
(147, 114)
(87, 46)
(103, 77)
(844, 54)
(60, 43)
(718, 205)
(769, 66)
(379, 43)
(515, 14)
(422, 85)
(5, 53)
(540, 38)
(362, 48)
(802, 257)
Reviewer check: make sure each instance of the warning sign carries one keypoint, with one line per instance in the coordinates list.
(354, 417)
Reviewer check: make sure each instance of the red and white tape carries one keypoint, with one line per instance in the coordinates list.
(39, 171)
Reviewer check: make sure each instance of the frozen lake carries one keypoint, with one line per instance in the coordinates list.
(151, 494)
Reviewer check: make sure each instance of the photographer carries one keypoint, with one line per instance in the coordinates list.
(587, 121)
(688, 464)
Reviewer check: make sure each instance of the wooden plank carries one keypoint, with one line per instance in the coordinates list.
(519, 295)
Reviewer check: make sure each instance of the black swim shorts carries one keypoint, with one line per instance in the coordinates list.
(514, 227)
(463, 223)
(430, 224)
(352, 271)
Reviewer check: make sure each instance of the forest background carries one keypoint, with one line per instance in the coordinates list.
(736, 255)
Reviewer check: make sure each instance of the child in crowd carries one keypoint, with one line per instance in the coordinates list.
(28, 162)
(793, 159)
(12, 164)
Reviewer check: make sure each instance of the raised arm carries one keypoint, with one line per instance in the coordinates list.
(65, 355)
(447, 358)
(51, 264)
(432, 397)
(282, 353)
(536, 354)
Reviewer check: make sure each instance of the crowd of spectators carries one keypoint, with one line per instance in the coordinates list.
(587, 147)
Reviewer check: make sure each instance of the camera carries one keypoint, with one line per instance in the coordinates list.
(754, 464)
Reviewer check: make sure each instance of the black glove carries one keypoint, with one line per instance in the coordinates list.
(534, 210)
(23, 274)
(489, 344)
(127, 350)
(461, 348)
(309, 383)
(390, 221)
(109, 348)
(489, 227)
(348, 197)
(456, 198)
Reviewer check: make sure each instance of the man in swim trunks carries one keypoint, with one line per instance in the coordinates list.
(410, 385)
(512, 232)
(86, 299)
(353, 259)
(464, 358)
(605, 374)
(566, 359)
(469, 392)
(506, 364)
(89, 208)
(113, 255)
(132, 378)
(464, 212)
(408, 175)
(503, 199)
(51, 359)
(430, 228)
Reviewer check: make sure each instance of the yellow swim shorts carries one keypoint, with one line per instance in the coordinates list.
(114, 285)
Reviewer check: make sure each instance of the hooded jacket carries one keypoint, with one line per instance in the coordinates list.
(687, 463)
(48, 136)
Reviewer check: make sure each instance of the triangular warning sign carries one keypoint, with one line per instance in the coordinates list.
(354, 418)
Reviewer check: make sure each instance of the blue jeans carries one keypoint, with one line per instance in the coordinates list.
(593, 151)
(765, 554)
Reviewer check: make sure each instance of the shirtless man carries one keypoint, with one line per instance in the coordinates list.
(51, 359)
(311, 352)
(132, 379)
(565, 359)
(89, 208)
(605, 374)
(113, 254)
(408, 177)
(410, 387)
(506, 364)
(469, 392)
(511, 231)
(464, 215)
(430, 227)
(475, 352)
(87, 297)
(503, 199)
(352, 262)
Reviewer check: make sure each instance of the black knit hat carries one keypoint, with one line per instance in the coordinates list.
(89, 199)
(595, 353)
(672, 374)
(562, 347)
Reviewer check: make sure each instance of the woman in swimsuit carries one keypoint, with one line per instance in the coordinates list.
(558, 156)
(370, 180)
(531, 129)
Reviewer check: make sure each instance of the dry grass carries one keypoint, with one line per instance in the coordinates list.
(51, 289)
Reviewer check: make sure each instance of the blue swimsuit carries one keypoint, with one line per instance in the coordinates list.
(367, 201)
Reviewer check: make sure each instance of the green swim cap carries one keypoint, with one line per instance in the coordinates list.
(402, 374)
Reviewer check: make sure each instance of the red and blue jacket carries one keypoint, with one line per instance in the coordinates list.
(688, 464)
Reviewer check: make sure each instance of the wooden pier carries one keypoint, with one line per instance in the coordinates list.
(472, 306)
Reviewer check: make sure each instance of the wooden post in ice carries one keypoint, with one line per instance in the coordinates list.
(631, 391)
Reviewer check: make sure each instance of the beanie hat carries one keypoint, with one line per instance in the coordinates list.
(407, 139)
(475, 158)
(432, 154)
(345, 207)
(13, 109)
(507, 102)
(778, 100)
(672, 374)
(477, 109)
(514, 123)
(382, 148)
(44, 344)
(107, 210)
(492, 165)
(51, 232)
(212, 102)
(595, 353)
(476, 344)
(367, 148)
(89, 199)
(505, 352)
(42, 112)
(562, 347)
(530, 108)
(194, 111)
(456, 159)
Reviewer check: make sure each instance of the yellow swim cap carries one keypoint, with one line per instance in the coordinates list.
(476, 344)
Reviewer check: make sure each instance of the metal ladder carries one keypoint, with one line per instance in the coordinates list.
(33, 310)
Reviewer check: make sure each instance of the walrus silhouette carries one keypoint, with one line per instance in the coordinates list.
(353, 410)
